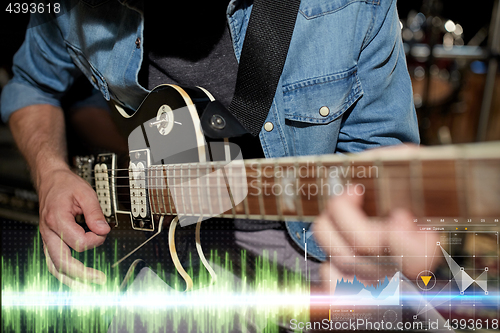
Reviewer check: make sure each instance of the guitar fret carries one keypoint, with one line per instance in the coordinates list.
(277, 197)
(162, 184)
(230, 180)
(261, 197)
(169, 192)
(382, 202)
(153, 189)
(461, 167)
(245, 205)
(198, 190)
(416, 187)
(174, 185)
(298, 199)
(347, 176)
(219, 193)
(150, 189)
(319, 179)
(190, 192)
(157, 190)
(182, 191)
(287, 198)
(209, 197)
(245, 200)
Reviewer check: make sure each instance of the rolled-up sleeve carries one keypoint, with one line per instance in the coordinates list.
(385, 115)
(43, 69)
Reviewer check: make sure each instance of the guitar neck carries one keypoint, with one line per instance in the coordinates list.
(458, 181)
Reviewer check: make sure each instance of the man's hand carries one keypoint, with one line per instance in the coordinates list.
(64, 195)
(40, 135)
(345, 231)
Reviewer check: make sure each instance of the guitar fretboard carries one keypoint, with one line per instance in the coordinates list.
(442, 181)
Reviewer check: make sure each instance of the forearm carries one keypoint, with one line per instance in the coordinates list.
(39, 132)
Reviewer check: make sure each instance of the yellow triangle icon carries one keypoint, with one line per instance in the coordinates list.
(426, 279)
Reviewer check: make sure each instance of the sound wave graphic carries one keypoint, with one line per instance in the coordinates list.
(37, 302)
(385, 292)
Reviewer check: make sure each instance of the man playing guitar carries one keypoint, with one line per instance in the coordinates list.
(344, 88)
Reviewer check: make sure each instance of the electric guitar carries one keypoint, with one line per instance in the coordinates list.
(175, 175)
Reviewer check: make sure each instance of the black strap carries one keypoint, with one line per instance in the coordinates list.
(263, 56)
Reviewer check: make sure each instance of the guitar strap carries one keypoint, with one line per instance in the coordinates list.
(262, 59)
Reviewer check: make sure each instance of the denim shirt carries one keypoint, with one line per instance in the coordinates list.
(346, 55)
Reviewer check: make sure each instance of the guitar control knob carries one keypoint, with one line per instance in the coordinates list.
(164, 120)
(218, 122)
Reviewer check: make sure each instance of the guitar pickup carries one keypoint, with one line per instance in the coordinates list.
(104, 180)
(139, 201)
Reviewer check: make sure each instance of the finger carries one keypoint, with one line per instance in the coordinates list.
(415, 246)
(64, 263)
(330, 238)
(358, 250)
(333, 242)
(345, 210)
(347, 214)
(92, 211)
(344, 260)
(64, 225)
(336, 241)
(402, 219)
(73, 284)
(402, 234)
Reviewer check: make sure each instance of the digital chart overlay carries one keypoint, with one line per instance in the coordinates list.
(460, 275)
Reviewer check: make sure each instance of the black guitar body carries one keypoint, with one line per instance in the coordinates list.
(165, 130)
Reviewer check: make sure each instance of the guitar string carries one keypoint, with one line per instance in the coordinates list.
(207, 189)
(280, 175)
(437, 187)
(265, 165)
(184, 179)
(365, 181)
(270, 166)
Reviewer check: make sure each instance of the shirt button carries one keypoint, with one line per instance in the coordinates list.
(94, 79)
(324, 111)
(268, 126)
(297, 234)
(138, 43)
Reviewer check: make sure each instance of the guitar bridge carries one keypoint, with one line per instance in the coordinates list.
(84, 166)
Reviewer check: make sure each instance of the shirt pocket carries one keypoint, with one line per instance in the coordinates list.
(323, 99)
(314, 108)
(89, 70)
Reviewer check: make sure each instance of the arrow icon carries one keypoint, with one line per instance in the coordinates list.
(426, 279)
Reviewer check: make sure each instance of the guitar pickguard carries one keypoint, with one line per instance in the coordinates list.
(141, 192)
